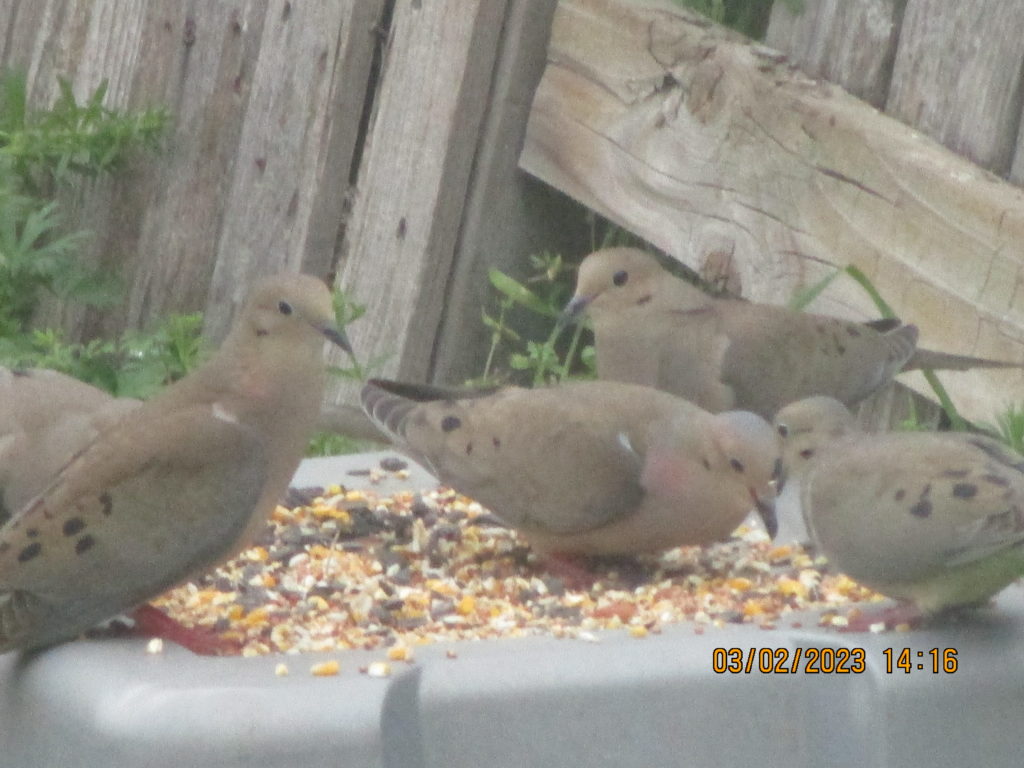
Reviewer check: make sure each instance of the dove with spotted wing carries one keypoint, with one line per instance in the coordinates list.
(933, 519)
(45, 418)
(177, 485)
(589, 468)
(653, 328)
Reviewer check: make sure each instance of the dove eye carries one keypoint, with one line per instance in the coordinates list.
(284, 308)
(621, 277)
(736, 464)
(783, 430)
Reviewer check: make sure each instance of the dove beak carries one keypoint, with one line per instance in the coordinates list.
(766, 509)
(336, 336)
(571, 313)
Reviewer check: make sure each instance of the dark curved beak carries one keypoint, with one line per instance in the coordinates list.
(336, 336)
(766, 509)
(572, 311)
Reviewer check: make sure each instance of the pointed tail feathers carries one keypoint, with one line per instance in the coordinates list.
(944, 361)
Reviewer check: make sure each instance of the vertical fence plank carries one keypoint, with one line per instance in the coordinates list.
(957, 76)
(508, 215)
(852, 44)
(408, 208)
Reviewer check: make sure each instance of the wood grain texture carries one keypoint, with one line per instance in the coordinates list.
(705, 144)
(399, 245)
(508, 214)
(265, 98)
(852, 44)
(958, 76)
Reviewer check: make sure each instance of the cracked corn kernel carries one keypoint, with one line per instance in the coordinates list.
(399, 653)
(281, 670)
(379, 669)
(325, 668)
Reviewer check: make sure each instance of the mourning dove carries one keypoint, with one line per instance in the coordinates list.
(45, 418)
(177, 485)
(933, 519)
(591, 467)
(655, 329)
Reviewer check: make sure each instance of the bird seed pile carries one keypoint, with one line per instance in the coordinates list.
(344, 568)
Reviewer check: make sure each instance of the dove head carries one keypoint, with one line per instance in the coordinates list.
(614, 280)
(744, 447)
(292, 309)
(807, 425)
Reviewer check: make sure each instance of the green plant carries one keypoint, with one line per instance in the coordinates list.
(543, 295)
(1009, 426)
(39, 152)
(747, 16)
(47, 147)
(335, 444)
(346, 311)
(135, 365)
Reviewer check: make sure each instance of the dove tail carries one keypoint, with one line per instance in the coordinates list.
(943, 361)
(387, 403)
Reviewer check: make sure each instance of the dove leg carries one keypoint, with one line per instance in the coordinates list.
(149, 621)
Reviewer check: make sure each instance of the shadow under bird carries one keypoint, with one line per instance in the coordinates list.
(167, 489)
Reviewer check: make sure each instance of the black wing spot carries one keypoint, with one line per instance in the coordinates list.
(965, 490)
(736, 464)
(900, 493)
(32, 532)
(496, 442)
(72, 526)
(923, 508)
(29, 552)
(469, 448)
(998, 480)
(84, 544)
(108, 504)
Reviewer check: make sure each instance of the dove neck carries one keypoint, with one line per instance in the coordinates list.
(260, 381)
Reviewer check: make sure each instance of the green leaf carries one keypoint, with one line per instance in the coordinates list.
(803, 298)
(520, 293)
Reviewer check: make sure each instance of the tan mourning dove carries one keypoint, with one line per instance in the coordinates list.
(179, 484)
(45, 418)
(590, 467)
(933, 519)
(655, 329)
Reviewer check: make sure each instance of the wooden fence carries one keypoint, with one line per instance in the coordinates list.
(382, 141)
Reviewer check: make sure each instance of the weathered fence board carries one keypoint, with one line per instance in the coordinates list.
(850, 43)
(508, 214)
(703, 143)
(399, 245)
(266, 98)
(957, 76)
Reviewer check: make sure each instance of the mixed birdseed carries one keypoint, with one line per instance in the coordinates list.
(342, 568)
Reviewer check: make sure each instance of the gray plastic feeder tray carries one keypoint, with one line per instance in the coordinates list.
(620, 702)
